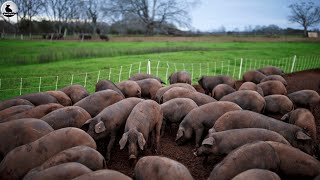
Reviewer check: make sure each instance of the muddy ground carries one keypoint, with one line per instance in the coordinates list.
(119, 158)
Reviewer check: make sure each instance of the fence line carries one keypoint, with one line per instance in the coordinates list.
(162, 69)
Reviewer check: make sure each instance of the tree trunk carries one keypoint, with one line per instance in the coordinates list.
(150, 28)
(305, 31)
(30, 27)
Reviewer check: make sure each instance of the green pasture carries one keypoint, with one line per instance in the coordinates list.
(32, 66)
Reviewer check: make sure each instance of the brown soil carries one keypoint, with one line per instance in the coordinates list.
(119, 158)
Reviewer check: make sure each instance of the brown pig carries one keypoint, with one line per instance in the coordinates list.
(141, 76)
(221, 90)
(248, 119)
(156, 167)
(19, 132)
(257, 174)
(111, 120)
(199, 88)
(103, 174)
(38, 98)
(97, 101)
(202, 118)
(247, 100)
(267, 155)
(36, 112)
(304, 98)
(209, 82)
(14, 102)
(84, 155)
(276, 78)
(107, 84)
(304, 119)
(163, 90)
(75, 92)
(222, 143)
(273, 87)
(61, 97)
(149, 88)
(278, 104)
(253, 76)
(14, 110)
(68, 170)
(71, 116)
(271, 70)
(251, 86)
(130, 88)
(180, 77)
(26, 157)
(145, 118)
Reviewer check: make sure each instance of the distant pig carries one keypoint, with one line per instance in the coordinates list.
(38, 98)
(271, 70)
(202, 118)
(130, 88)
(149, 88)
(141, 76)
(278, 104)
(107, 84)
(251, 86)
(209, 82)
(253, 76)
(75, 92)
(156, 167)
(145, 118)
(273, 87)
(14, 102)
(163, 90)
(61, 97)
(180, 77)
(221, 90)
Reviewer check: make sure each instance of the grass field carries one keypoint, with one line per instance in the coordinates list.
(60, 63)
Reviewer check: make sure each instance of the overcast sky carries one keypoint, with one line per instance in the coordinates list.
(212, 14)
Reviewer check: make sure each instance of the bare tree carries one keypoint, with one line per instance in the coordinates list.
(92, 10)
(306, 14)
(152, 13)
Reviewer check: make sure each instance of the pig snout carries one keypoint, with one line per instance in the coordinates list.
(133, 151)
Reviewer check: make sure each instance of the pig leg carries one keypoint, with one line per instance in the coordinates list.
(157, 134)
(110, 145)
(199, 133)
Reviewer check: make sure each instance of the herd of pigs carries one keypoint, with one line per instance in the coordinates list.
(53, 134)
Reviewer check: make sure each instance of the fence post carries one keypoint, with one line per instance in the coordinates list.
(221, 67)
(71, 80)
(215, 68)
(208, 69)
(85, 80)
(167, 74)
(130, 70)
(175, 67)
(57, 82)
(158, 68)
(120, 73)
(192, 71)
(20, 86)
(293, 62)
(200, 70)
(110, 74)
(255, 64)
(40, 84)
(139, 66)
(228, 67)
(240, 68)
(234, 68)
(149, 67)
(98, 76)
(184, 67)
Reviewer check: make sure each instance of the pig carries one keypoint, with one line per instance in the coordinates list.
(253, 76)
(267, 155)
(84, 155)
(202, 118)
(251, 86)
(23, 158)
(103, 174)
(145, 118)
(107, 84)
(163, 90)
(38, 98)
(247, 99)
(180, 77)
(97, 101)
(304, 119)
(71, 116)
(68, 170)
(198, 88)
(14, 110)
(111, 120)
(304, 98)
(75, 92)
(61, 97)
(276, 78)
(141, 76)
(14, 102)
(178, 92)
(130, 88)
(248, 119)
(221, 90)
(257, 174)
(36, 112)
(222, 143)
(156, 167)
(175, 110)
(272, 87)
(271, 70)
(209, 82)
(19, 132)
(278, 104)
(149, 88)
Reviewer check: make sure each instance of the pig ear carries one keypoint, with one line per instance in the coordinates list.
(212, 130)
(88, 121)
(123, 140)
(99, 127)
(141, 140)
(180, 133)
(302, 136)
(285, 117)
(209, 141)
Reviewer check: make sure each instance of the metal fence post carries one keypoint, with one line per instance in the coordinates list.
(130, 70)
(167, 75)
(71, 80)
(192, 71)
(293, 62)
(149, 67)
(40, 84)
(240, 68)
(228, 67)
(20, 86)
(85, 80)
(158, 68)
(139, 66)
(57, 83)
(234, 68)
(200, 70)
(110, 74)
(120, 73)
(98, 76)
